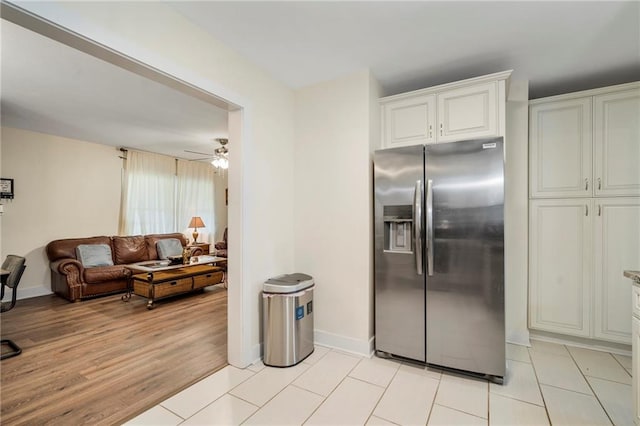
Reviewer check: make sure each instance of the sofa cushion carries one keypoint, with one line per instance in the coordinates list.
(129, 249)
(168, 247)
(105, 273)
(93, 255)
(152, 239)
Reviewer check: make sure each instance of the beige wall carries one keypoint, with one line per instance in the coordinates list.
(332, 196)
(65, 188)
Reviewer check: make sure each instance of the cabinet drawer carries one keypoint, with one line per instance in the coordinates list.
(635, 300)
(204, 280)
(173, 287)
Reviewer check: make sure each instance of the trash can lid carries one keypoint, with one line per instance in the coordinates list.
(288, 283)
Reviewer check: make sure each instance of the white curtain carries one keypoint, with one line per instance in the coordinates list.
(196, 195)
(149, 196)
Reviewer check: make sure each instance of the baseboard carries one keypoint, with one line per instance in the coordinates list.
(256, 353)
(596, 345)
(521, 339)
(343, 343)
(28, 293)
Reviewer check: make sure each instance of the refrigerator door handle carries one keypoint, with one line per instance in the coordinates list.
(417, 225)
(430, 227)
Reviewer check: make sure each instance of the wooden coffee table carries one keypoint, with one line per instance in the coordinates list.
(156, 280)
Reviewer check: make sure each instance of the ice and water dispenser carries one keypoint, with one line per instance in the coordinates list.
(398, 229)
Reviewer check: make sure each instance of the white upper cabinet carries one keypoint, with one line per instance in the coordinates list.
(585, 144)
(617, 143)
(410, 121)
(560, 148)
(469, 112)
(467, 109)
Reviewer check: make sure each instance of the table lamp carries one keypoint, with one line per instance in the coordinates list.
(196, 222)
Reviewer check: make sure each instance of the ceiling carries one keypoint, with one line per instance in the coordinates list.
(50, 88)
(559, 47)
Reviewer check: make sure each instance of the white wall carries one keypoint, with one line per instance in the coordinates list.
(333, 227)
(261, 138)
(516, 213)
(65, 188)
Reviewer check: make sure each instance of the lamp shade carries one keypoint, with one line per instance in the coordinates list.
(196, 222)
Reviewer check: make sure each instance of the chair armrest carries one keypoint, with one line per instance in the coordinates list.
(221, 245)
(197, 251)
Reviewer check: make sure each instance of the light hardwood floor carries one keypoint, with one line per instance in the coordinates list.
(103, 361)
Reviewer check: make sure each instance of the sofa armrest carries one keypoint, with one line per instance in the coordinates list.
(197, 251)
(221, 245)
(67, 273)
(67, 266)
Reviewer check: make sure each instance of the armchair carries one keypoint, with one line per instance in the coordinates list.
(221, 246)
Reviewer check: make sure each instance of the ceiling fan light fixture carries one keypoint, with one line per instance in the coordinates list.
(221, 155)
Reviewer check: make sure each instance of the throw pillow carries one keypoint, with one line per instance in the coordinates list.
(92, 255)
(168, 247)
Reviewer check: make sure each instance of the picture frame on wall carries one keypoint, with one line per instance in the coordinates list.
(6, 188)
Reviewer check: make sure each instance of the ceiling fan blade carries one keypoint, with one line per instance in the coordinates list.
(199, 153)
(200, 159)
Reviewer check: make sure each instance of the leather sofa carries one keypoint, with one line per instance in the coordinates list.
(74, 282)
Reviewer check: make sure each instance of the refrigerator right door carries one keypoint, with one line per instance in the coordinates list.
(464, 194)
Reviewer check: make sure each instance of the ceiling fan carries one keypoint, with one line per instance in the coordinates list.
(220, 157)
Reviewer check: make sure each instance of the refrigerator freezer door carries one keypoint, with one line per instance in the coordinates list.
(465, 294)
(399, 287)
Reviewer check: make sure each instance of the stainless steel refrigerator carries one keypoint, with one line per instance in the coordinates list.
(439, 255)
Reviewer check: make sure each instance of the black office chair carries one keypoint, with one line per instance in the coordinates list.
(16, 266)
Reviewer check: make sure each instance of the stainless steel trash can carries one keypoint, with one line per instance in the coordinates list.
(287, 318)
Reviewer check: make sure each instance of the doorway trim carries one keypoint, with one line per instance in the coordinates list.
(239, 329)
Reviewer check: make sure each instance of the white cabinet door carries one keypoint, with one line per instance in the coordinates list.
(617, 143)
(560, 255)
(468, 112)
(409, 121)
(617, 247)
(560, 149)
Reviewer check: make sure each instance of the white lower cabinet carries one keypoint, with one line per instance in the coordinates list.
(559, 254)
(578, 251)
(617, 247)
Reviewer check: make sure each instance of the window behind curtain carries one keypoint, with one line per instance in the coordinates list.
(161, 195)
(195, 197)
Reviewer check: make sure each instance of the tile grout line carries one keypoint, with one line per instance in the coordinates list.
(595, 395)
(535, 373)
(289, 384)
(226, 393)
(619, 363)
(332, 390)
(274, 396)
(383, 393)
(435, 396)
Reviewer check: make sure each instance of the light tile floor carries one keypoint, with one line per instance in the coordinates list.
(545, 384)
